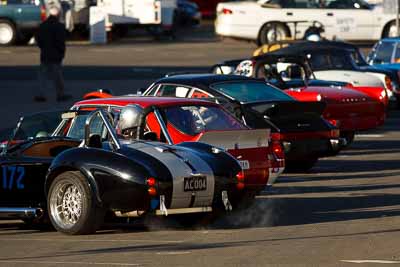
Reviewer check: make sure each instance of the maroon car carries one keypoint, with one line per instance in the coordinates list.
(207, 7)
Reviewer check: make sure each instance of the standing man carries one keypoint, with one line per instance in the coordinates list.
(51, 41)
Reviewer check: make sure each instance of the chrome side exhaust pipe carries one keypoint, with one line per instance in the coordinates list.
(20, 213)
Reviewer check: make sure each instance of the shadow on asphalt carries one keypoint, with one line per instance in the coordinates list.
(87, 73)
(269, 212)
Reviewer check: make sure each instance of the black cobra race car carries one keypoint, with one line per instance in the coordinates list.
(73, 168)
(304, 134)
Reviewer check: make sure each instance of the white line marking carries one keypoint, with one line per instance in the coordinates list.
(174, 253)
(370, 135)
(70, 263)
(371, 261)
(91, 240)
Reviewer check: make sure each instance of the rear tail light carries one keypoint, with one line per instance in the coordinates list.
(240, 178)
(334, 122)
(278, 149)
(43, 13)
(151, 183)
(319, 97)
(335, 133)
(227, 11)
(276, 145)
(152, 191)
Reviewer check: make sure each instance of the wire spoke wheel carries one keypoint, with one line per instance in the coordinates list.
(72, 206)
(66, 204)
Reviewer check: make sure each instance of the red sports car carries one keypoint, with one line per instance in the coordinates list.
(192, 120)
(350, 108)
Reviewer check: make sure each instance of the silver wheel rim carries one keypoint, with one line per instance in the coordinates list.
(275, 35)
(6, 33)
(66, 204)
(392, 31)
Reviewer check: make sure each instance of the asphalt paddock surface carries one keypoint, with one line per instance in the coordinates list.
(345, 211)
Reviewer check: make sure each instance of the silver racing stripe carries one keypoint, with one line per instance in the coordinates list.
(182, 164)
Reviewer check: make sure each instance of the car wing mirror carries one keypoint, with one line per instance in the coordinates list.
(106, 118)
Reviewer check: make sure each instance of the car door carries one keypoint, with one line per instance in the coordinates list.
(22, 180)
(350, 20)
(22, 175)
(303, 12)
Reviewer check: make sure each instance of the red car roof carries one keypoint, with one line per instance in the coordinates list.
(144, 101)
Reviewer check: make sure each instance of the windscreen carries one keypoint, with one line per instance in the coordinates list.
(384, 53)
(251, 91)
(326, 61)
(77, 129)
(40, 125)
(193, 120)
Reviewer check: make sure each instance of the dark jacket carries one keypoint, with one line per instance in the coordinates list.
(51, 41)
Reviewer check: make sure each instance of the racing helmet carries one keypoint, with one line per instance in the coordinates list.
(129, 117)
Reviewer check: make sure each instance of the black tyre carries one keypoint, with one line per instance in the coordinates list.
(348, 136)
(24, 39)
(8, 33)
(272, 33)
(71, 205)
(390, 30)
(300, 165)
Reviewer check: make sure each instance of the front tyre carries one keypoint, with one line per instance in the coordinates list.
(272, 33)
(390, 30)
(8, 33)
(300, 166)
(348, 136)
(71, 205)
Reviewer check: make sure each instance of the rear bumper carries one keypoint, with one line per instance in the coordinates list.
(312, 148)
(361, 123)
(225, 26)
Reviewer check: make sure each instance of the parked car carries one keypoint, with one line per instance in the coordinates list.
(19, 20)
(266, 21)
(187, 13)
(333, 63)
(207, 7)
(304, 135)
(350, 108)
(386, 51)
(385, 56)
(48, 171)
(194, 120)
(350, 55)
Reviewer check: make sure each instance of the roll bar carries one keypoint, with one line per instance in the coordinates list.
(103, 115)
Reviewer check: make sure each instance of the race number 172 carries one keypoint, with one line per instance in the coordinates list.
(13, 177)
